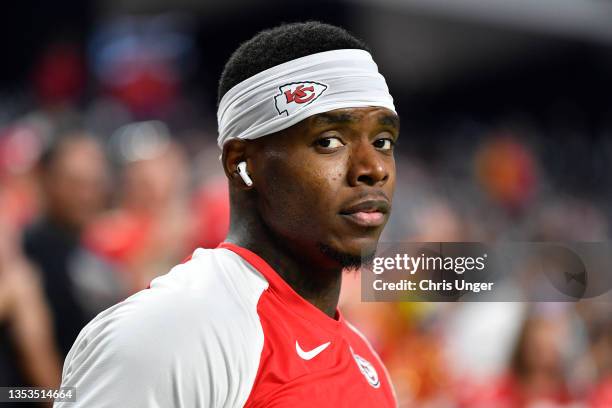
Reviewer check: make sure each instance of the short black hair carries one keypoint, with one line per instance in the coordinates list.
(281, 44)
(66, 128)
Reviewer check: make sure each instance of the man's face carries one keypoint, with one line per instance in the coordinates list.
(327, 182)
(76, 183)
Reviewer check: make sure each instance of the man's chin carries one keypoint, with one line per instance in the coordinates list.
(349, 259)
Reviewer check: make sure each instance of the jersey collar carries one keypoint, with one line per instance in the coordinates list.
(285, 292)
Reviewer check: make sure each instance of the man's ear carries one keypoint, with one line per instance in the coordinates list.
(234, 152)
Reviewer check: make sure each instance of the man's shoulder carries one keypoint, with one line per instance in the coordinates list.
(212, 289)
(208, 269)
(194, 323)
(358, 339)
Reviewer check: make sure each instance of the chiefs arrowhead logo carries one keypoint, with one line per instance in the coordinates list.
(368, 370)
(297, 94)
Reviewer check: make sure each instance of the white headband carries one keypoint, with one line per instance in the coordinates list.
(283, 95)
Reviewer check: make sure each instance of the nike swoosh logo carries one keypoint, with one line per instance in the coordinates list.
(309, 355)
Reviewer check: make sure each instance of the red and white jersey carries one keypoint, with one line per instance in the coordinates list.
(223, 330)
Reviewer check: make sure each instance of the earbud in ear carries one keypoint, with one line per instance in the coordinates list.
(243, 173)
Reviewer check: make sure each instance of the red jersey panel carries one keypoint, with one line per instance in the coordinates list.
(308, 358)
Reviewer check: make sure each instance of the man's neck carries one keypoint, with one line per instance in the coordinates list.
(319, 286)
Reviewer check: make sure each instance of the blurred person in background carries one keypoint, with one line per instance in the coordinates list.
(536, 374)
(210, 200)
(537, 368)
(150, 228)
(597, 363)
(28, 354)
(74, 185)
(21, 144)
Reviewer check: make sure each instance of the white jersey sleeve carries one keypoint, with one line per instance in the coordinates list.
(193, 339)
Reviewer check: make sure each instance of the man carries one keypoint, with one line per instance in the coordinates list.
(307, 128)
(77, 284)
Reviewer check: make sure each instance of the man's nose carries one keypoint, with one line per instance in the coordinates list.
(367, 166)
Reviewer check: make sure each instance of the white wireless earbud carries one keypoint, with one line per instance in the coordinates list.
(243, 174)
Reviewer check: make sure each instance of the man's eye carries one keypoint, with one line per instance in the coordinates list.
(330, 142)
(383, 144)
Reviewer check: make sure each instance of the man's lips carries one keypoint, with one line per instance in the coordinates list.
(368, 213)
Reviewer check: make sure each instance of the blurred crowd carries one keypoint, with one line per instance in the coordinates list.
(109, 176)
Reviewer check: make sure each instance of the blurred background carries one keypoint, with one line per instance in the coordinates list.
(109, 173)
